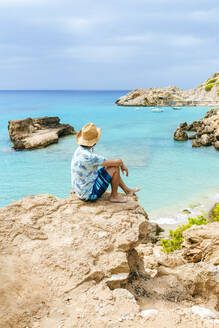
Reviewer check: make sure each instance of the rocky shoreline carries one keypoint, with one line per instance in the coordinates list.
(66, 263)
(33, 133)
(206, 94)
(206, 131)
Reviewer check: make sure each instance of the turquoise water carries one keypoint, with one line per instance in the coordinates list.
(168, 171)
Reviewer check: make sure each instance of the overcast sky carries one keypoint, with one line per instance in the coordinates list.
(114, 44)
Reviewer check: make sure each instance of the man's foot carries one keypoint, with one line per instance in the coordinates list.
(133, 191)
(117, 199)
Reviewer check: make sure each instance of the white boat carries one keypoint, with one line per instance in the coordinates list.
(155, 109)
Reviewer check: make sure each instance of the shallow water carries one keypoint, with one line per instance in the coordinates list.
(169, 172)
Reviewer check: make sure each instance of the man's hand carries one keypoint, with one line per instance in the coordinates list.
(124, 169)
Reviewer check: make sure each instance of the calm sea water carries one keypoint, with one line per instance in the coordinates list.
(169, 172)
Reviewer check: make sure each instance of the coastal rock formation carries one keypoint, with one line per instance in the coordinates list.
(68, 263)
(206, 94)
(60, 251)
(207, 130)
(201, 244)
(37, 132)
(180, 135)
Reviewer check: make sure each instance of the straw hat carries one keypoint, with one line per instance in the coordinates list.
(88, 135)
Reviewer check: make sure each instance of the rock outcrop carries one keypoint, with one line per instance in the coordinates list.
(32, 133)
(68, 263)
(180, 135)
(207, 130)
(206, 94)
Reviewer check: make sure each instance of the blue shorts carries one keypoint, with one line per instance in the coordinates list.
(101, 184)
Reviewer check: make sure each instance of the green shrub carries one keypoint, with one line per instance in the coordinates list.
(176, 236)
(217, 83)
(215, 214)
(212, 81)
(208, 87)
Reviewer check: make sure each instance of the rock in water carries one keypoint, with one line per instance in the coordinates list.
(37, 132)
(180, 135)
(207, 130)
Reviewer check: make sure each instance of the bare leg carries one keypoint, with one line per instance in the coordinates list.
(115, 174)
(129, 191)
(126, 189)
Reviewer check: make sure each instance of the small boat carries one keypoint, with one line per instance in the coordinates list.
(155, 109)
(176, 108)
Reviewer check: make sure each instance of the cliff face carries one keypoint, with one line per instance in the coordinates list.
(206, 94)
(68, 263)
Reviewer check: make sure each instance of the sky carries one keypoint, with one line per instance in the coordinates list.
(114, 44)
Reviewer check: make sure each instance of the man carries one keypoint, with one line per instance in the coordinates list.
(89, 182)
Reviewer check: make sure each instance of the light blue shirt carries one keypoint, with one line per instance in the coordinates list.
(84, 166)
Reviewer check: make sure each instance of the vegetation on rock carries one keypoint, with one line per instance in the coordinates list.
(215, 213)
(176, 236)
(209, 86)
(212, 81)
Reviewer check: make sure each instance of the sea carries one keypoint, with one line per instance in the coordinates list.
(175, 178)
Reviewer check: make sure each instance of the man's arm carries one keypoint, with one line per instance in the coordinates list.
(116, 162)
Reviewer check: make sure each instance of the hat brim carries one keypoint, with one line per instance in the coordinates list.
(81, 141)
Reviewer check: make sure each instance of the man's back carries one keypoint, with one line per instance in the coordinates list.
(84, 166)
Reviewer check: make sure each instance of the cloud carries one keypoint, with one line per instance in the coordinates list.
(132, 43)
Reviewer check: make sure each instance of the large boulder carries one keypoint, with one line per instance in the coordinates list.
(37, 132)
(202, 244)
(205, 140)
(58, 254)
(180, 135)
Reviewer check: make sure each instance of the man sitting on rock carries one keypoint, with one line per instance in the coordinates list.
(89, 182)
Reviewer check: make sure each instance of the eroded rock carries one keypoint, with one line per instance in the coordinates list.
(37, 132)
(69, 247)
(201, 243)
(207, 130)
(74, 264)
(180, 135)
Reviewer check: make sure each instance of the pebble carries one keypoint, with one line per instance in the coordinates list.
(149, 313)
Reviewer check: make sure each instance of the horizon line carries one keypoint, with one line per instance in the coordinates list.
(65, 89)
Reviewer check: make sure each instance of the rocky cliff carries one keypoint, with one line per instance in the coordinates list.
(69, 264)
(37, 132)
(206, 94)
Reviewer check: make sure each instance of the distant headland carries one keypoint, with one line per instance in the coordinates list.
(206, 94)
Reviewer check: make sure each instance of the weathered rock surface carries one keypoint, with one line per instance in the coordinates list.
(59, 250)
(202, 244)
(67, 263)
(37, 132)
(188, 275)
(207, 130)
(206, 94)
(180, 135)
